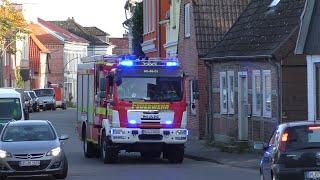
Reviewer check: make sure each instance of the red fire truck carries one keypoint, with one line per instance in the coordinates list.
(132, 105)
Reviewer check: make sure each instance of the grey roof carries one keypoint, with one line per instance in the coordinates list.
(75, 28)
(308, 41)
(213, 18)
(96, 31)
(262, 31)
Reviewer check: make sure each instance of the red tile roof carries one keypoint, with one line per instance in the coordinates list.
(68, 36)
(44, 36)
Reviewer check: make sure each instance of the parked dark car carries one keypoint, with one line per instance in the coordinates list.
(293, 152)
(46, 98)
(32, 148)
(34, 101)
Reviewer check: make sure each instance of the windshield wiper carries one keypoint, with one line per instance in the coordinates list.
(134, 99)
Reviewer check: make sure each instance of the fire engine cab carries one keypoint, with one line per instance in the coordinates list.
(134, 105)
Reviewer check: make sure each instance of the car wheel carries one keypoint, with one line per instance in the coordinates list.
(64, 173)
(88, 147)
(108, 154)
(54, 108)
(174, 153)
(3, 177)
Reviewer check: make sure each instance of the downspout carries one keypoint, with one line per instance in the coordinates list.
(210, 101)
(159, 28)
(279, 88)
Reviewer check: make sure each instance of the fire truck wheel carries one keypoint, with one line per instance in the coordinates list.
(175, 153)
(88, 147)
(108, 154)
(150, 155)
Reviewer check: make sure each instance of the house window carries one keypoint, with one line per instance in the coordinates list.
(256, 93)
(187, 21)
(230, 92)
(223, 93)
(267, 94)
(274, 3)
(149, 16)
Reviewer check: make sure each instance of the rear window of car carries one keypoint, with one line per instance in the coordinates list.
(17, 133)
(300, 137)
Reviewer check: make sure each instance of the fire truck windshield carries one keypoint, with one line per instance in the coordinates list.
(168, 89)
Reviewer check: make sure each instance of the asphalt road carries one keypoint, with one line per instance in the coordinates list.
(131, 166)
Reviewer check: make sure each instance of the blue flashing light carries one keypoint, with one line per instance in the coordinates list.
(169, 122)
(133, 122)
(126, 63)
(172, 63)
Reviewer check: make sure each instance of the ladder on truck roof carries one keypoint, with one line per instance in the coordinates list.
(100, 59)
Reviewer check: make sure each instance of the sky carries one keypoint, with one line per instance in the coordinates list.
(107, 15)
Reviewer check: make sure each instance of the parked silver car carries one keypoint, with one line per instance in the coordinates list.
(29, 148)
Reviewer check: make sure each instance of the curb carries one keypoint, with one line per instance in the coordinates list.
(203, 159)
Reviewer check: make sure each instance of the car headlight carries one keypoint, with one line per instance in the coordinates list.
(4, 154)
(54, 152)
(182, 132)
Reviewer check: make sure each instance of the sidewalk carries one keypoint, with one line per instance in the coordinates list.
(198, 150)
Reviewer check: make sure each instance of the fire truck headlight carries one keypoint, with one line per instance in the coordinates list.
(182, 132)
(118, 131)
(169, 122)
(133, 122)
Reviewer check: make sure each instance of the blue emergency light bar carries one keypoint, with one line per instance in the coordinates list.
(129, 63)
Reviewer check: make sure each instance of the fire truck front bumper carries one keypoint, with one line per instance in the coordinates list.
(131, 136)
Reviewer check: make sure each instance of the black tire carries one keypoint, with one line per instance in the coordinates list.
(54, 108)
(150, 155)
(108, 154)
(175, 153)
(88, 148)
(64, 106)
(3, 177)
(64, 173)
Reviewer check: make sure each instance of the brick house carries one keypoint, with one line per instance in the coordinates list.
(98, 39)
(120, 46)
(38, 62)
(308, 44)
(256, 80)
(202, 24)
(154, 38)
(73, 49)
(55, 63)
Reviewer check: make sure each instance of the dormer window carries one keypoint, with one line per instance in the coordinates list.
(274, 3)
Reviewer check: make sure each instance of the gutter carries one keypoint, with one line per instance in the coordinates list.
(210, 132)
(236, 57)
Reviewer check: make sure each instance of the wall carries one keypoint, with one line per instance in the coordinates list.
(188, 56)
(225, 127)
(121, 46)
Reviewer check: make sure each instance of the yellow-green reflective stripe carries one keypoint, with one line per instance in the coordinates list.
(92, 141)
(109, 111)
(101, 111)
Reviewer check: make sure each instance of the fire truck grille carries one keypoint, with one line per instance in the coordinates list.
(150, 137)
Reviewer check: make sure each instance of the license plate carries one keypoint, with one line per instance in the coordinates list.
(313, 174)
(29, 163)
(150, 131)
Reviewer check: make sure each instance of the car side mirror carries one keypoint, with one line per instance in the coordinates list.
(63, 137)
(260, 146)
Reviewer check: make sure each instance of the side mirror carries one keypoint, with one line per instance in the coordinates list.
(260, 146)
(63, 137)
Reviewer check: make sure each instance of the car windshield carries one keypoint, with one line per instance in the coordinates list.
(44, 92)
(16, 133)
(33, 95)
(150, 89)
(302, 137)
(10, 109)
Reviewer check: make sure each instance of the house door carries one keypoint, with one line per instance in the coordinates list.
(243, 106)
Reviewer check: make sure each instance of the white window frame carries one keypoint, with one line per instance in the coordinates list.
(187, 20)
(267, 114)
(223, 110)
(274, 3)
(255, 110)
(231, 102)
